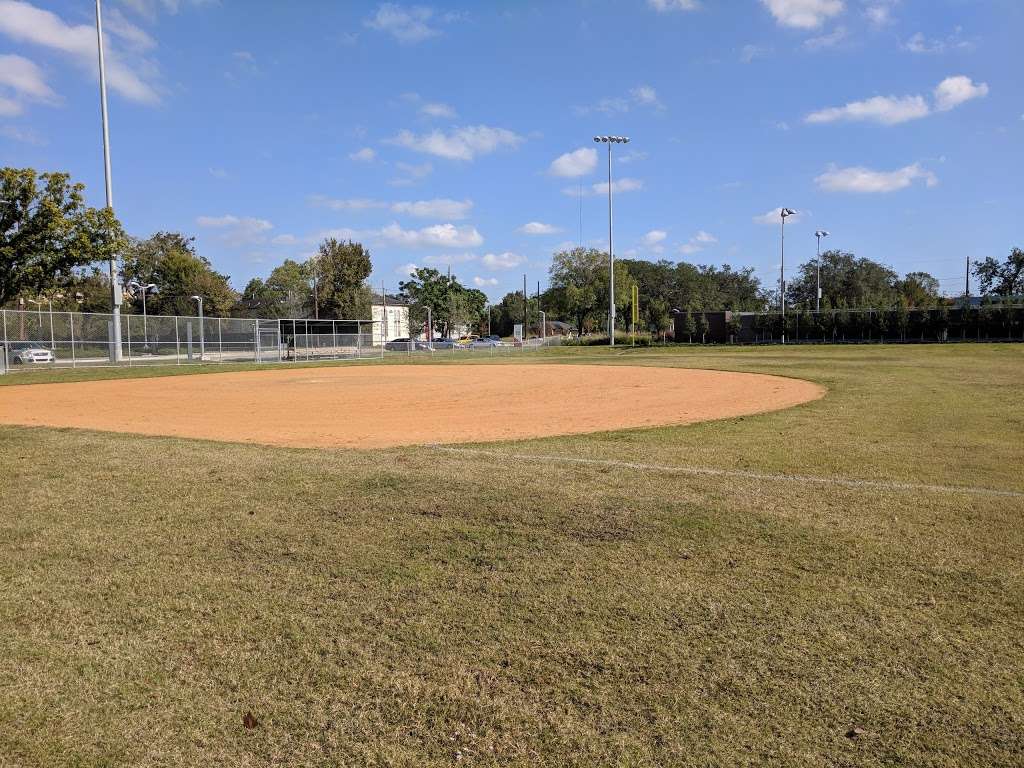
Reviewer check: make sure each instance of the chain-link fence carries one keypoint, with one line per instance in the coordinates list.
(466, 347)
(76, 339)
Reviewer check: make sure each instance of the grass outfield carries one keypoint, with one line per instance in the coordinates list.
(418, 606)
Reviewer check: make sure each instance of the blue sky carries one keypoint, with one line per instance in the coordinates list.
(461, 133)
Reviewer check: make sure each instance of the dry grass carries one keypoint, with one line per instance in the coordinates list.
(411, 607)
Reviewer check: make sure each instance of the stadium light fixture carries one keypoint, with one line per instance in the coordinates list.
(783, 213)
(609, 140)
(819, 234)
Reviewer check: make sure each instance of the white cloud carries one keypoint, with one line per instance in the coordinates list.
(23, 22)
(438, 109)
(632, 156)
(831, 40)
(954, 91)
(654, 237)
(25, 136)
(438, 235)
(237, 231)
(663, 6)
(619, 185)
(150, 8)
(645, 95)
(803, 14)
(919, 44)
(640, 96)
(285, 240)
(888, 110)
(774, 216)
(539, 228)
(579, 162)
(750, 52)
(347, 204)
(879, 14)
(866, 181)
(412, 173)
(891, 110)
(136, 38)
(507, 260)
(364, 155)
(218, 173)
(450, 258)
(461, 144)
(438, 208)
(698, 243)
(485, 282)
(406, 25)
(25, 81)
(406, 270)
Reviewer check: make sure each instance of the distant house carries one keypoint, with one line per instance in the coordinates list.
(391, 318)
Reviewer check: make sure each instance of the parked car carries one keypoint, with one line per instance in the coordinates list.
(32, 354)
(399, 345)
(485, 343)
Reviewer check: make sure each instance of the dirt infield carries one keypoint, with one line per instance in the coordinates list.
(383, 406)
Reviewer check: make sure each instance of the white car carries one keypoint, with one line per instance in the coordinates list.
(32, 355)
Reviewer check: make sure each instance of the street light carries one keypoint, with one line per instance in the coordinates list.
(819, 234)
(145, 327)
(782, 269)
(202, 338)
(609, 140)
(39, 312)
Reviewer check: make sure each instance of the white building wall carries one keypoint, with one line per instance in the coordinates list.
(395, 325)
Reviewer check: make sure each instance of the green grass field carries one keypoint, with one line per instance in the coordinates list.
(420, 606)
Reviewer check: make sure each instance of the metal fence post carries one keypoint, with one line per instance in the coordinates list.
(177, 343)
(128, 322)
(220, 342)
(3, 321)
(71, 325)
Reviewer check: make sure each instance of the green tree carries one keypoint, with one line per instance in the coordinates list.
(688, 325)
(47, 232)
(918, 289)
(735, 326)
(702, 327)
(856, 281)
(1001, 278)
(287, 292)
(169, 260)
(581, 275)
(450, 302)
(340, 271)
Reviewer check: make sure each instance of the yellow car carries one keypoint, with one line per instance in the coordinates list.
(465, 341)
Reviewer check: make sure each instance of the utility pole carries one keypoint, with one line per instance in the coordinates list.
(967, 282)
(115, 279)
(526, 311)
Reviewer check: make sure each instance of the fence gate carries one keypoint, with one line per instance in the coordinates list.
(268, 341)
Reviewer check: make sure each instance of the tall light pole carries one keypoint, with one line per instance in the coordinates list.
(145, 326)
(115, 283)
(782, 270)
(609, 140)
(202, 337)
(819, 234)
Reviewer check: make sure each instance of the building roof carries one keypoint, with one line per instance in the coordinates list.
(393, 300)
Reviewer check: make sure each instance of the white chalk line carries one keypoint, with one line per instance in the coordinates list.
(844, 482)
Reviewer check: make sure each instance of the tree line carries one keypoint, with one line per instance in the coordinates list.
(52, 245)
